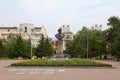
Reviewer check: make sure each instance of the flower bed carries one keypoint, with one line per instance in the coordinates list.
(71, 62)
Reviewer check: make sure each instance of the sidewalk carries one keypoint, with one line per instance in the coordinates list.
(49, 73)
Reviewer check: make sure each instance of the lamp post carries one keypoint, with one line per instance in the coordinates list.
(87, 46)
(30, 45)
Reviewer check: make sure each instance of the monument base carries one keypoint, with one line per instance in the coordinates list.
(59, 49)
(60, 56)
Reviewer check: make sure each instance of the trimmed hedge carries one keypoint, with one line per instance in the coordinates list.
(71, 62)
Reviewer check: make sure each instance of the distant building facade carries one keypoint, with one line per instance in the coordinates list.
(26, 30)
(96, 27)
(68, 35)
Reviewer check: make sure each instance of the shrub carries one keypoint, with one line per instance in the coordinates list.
(72, 62)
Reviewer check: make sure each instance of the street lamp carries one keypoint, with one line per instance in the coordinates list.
(31, 48)
(30, 44)
(87, 46)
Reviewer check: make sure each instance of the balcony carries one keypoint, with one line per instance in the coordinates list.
(9, 33)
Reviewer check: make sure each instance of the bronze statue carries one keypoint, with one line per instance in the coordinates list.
(59, 35)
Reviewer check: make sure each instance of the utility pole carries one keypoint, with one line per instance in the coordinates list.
(87, 46)
(31, 48)
(30, 45)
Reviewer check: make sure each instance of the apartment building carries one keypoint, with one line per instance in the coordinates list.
(26, 30)
(68, 35)
(96, 27)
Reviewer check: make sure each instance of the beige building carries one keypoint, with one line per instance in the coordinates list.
(96, 27)
(27, 31)
(68, 35)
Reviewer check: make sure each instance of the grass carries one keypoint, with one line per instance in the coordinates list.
(71, 62)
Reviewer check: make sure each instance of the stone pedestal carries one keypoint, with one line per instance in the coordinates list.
(60, 49)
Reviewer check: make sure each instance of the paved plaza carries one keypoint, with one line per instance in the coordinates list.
(58, 73)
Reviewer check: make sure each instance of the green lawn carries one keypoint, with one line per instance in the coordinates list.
(71, 62)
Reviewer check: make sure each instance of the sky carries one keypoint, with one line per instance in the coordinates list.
(54, 13)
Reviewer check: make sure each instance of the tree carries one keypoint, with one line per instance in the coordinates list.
(27, 49)
(44, 48)
(116, 46)
(77, 47)
(97, 45)
(114, 30)
(114, 36)
(40, 48)
(17, 47)
(22, 48)
(49, 49)
(10, 45)
(1, 48)
(93, 38)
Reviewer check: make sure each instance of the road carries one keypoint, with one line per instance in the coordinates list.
(58, 73)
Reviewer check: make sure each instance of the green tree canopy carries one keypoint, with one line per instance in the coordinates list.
(1, 48)
(114, 36)
(44, 48)
(93, 38)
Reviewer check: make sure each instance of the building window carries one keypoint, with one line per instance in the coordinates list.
(37, 30)
(20, 30)
(68, 36)
(32, 30)
(25, 29)
(8, 30)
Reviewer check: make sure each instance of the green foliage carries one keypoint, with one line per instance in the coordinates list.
(27, 49)
(72, 62)
(19, 47)
(10, 45)
(1, 48)
(97, 44)
(77, 47)
(114, 48)
(40, 48)
(93, 38)
(114, 30)
(44, 48)
(114, 36)
(15, 47)
(48, 48)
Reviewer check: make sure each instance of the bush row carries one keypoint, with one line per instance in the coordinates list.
(72, 62)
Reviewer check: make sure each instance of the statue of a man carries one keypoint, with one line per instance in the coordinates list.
(59, 35)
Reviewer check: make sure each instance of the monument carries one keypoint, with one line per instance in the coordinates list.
(59, 43)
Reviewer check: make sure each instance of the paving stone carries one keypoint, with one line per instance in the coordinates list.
(58, 73)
